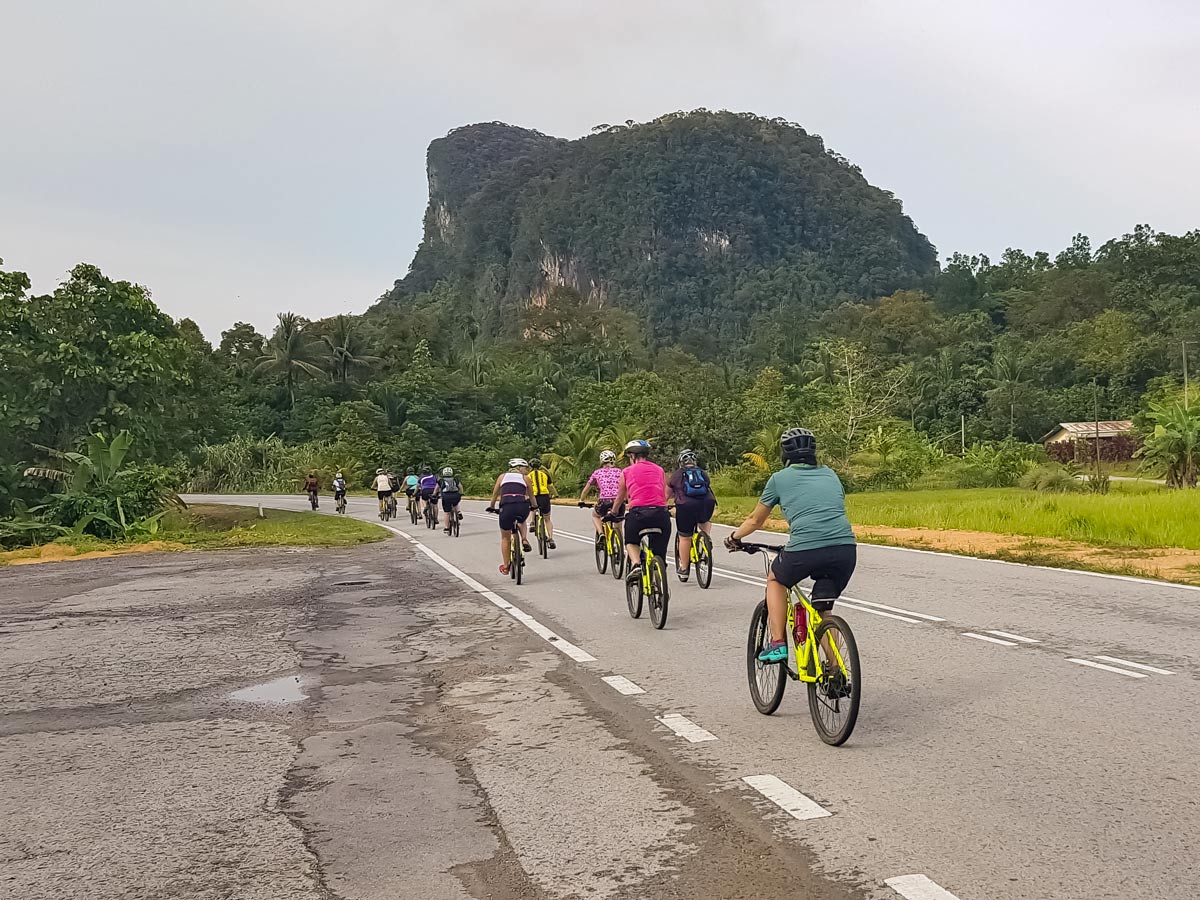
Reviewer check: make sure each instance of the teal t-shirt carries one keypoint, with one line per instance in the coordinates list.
(814, 504)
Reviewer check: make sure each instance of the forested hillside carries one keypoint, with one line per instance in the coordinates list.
(839, 321)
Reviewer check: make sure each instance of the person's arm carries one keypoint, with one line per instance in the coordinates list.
(496, 490)
(588, 486)
(553, 489)
(529, 490)
(753, 522)
(622, 494)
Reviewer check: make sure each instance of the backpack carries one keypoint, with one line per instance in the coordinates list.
(695, 482)
(448, 485)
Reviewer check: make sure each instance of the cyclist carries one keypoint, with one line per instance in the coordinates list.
(411, 482)
(644, 486)
(395, 480)
(694, 506)
(607, 480)
(382, 485)
(428, 485)
(512, 494)
(544, 490)
(449, 491)
(339, 487)
(821, 544)
(311, 487)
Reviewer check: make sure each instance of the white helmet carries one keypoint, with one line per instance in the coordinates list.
(517, 463)
(448, 472)
(638, 446)
(607, 456)
(339, 475)
(379, 471)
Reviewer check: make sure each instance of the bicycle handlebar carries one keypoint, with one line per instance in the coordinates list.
(749, 547)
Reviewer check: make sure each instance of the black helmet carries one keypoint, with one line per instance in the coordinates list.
(425, 470)
(412, 471)
(535, 463)
(798, 445)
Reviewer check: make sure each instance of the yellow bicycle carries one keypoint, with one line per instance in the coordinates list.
(610, 549)
(651, 587)
(826, 657)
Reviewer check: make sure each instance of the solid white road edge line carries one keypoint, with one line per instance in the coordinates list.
(786, 797)
(622, 685)
(1096, 665)
(686, 728)
(918, 887)
(990, 640)
(559, 643)
(1143, 666)
(1014, 637)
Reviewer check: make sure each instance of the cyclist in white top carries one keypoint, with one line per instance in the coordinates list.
(513, 494)
(383, 487)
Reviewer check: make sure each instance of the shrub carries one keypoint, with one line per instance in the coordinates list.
(742, 480)
(1051, 480)
(996, 464)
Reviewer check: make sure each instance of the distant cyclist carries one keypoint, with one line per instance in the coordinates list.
(428, 485)
(339, 487)
(544, 491)
(512, 495)
(312, 487)
(411, 482)
(821, 545)
(644, 486)
(607, 480)
(694, 507)
(382, 485)
(449, 491)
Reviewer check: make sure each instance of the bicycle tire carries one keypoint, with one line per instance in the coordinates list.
(617, 559)
(518, 555)
(704, 561)
(766, 698)
(543, 540)
(455, 525)
(601, 550)
(412, 512)
(660, 594)
(633, 597)
(848, 648)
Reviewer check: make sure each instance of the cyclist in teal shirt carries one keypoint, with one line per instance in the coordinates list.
(821, 543)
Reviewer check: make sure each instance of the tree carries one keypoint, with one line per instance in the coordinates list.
(290, 354)
(1007, 379)
(347, 351)
(1173, 445)
(766, 447)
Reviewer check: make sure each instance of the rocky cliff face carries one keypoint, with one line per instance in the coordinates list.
(694, 214)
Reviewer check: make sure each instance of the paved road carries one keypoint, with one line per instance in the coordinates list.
(1002, 768)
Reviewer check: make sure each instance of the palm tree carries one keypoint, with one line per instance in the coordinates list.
(290, 353)
(622, 433)
(766, 447)
(346, 349)
(1008, 375)
(577, 448)
(1174, 445)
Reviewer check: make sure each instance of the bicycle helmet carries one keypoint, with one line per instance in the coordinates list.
(448, 472)
(379, 471)
(607, 456)
(517, 463)
(338, 475)
(637, 448)
(412, 471)
(798, 445)
(425, 470)
(687, 457)
(535, 463)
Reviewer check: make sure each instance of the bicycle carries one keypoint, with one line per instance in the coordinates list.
(701, 558)
(609, 549)
(516, 555)
(652, 584)
(340, 504)
(430, 515)
(312, 498)
(414, 509)
(538, 527)
(834, 685)
(455, 521)
(392, 508)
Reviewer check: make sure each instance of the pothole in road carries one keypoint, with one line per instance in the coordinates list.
(288, 689)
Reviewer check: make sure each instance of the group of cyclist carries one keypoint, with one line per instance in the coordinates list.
(425, 488)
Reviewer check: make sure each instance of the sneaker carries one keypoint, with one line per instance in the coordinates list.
(683, 573)
(460, 517)
(774, 652)
(445, 531)
(504, 570)
(526, 548)
(552, 545)
(634, 573)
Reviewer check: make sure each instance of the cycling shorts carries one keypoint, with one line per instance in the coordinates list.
(449, 501)
(426, 493)
(410, 491)
(692, 513)
(830, 569)
(543, 503)
(338, 495)
(641, 518)
(604, 507)
(383, 495)
(513, 511)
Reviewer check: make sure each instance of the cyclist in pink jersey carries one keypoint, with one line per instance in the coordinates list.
(644, 486)
(607, 480)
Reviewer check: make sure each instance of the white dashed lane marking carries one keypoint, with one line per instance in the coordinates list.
(786, 797)
(990, 640)
(1096, 665)
(1014, 637)
(1142, 666)
(919, 887)
(686, 728)
(622, 685)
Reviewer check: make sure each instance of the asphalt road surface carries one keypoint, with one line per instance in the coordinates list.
(1025, 733)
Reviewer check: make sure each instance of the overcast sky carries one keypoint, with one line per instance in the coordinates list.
(241, 157)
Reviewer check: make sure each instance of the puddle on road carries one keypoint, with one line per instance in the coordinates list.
(288, 689)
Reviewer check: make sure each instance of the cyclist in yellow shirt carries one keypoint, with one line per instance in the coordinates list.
(543, 491)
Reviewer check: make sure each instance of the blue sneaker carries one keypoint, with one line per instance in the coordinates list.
(774, 652)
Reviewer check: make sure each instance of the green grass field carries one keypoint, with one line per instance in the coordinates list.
(1133, 515)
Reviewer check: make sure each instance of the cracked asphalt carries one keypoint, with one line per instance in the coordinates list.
(442, 750)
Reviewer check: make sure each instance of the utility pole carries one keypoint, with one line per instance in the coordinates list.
(1184, 344)
(964, 435)
(1096, 413)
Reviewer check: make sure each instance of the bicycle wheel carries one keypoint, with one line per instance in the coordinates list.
(616, 557)
(543, 540)
(454, 523)
(601, 549)
(660, 595)
(412, 511)
(767, 680)
(633, 597)
(518, 564)
(704, 563)
(833, 700)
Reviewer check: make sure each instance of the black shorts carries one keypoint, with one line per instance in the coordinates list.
(604, 507)
(383, 495)
(693, 512)
(338, 495)
(830, 569)
(640, 518)
(449, 501)
(426, 493)
(543, 503)
(410, 491)
(512, 512)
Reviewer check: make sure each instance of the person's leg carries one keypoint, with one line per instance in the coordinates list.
(776, 608)
(505, 548)
(523, 526)
(597, 523)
